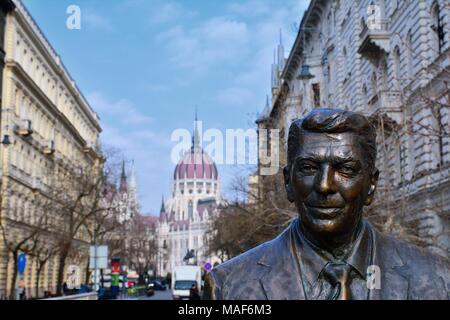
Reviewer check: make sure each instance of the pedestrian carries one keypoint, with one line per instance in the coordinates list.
(65, 288)
(193, 293)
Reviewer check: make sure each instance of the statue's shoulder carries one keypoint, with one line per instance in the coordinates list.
(245, 263)
(418, 258)
(246, 259)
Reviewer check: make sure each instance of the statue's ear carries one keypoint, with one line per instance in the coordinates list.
(288, 184)
(373, 187)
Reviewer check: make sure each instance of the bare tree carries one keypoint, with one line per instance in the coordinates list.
(20, 236)
(76, 195)
(142, 246)
(254, 216)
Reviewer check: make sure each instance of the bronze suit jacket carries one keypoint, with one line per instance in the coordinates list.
(270, 272)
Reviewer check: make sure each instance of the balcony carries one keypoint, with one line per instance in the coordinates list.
(375, 40)
(387, 103)
(25, 128)
(49, 149)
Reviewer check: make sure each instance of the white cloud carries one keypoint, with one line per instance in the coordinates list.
(169, 12)
(251, 7)
(253, 79)
(215, 42)
(121, 110)
(96, 21)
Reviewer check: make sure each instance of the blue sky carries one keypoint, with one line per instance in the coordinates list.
(144, 65)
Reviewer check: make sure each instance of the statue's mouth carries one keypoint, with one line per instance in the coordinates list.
(324, 212)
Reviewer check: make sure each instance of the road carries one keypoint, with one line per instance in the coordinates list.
(159, 295)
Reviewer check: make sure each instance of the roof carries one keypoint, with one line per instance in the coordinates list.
(196, 164)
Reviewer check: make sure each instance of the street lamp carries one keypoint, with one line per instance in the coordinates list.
(305, 74)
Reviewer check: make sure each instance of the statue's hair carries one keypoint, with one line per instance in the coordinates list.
(327, 120)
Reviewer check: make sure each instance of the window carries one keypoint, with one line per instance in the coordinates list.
(330, 24)
(374, 83)
(410, 54)
(190, 210)
(438, 34)
(397, 66)
(316, 94)
(344, 64)
(441, 133)
(383, 75)
(402, 161)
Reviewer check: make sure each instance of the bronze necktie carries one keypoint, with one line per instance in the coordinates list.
(338, 275)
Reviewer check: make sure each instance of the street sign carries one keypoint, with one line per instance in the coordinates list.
(21, 262)
(101, 256)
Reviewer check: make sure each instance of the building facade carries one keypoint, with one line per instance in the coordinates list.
(389, 60)
(5, 7)
(46, 126)
(186, 216)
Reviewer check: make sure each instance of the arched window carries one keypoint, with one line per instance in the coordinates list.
(374, 83)
(344, 63)
(383, 75)
(396, 57)
(410, 54)
(438, 35)
(190, 210)
(330, 24)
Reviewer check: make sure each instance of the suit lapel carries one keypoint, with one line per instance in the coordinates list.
(394, 284)
(280, 276)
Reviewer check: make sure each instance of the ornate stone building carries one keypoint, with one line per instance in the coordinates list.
(185, 217)
(46, 125)
(5, 7)
(391, 61)
(126, 197)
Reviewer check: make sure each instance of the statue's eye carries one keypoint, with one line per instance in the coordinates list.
(307, 168)
(347, 169)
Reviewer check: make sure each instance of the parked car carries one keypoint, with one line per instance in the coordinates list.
(157, 285)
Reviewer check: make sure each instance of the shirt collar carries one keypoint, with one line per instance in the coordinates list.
(314, 259)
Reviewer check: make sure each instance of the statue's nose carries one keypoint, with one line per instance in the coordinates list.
(325, 180)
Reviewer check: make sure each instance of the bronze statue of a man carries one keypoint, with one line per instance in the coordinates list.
(330, 251)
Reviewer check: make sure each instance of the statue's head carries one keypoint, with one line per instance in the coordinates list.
(331, 173)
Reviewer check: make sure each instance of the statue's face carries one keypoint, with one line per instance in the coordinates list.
(330, 182)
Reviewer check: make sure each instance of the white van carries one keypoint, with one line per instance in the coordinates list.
(183, 278)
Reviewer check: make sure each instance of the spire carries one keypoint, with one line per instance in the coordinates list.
(274, 82)
(123, 179)
(266, 111)
(196, 135)
(163, 207)
(281, 53)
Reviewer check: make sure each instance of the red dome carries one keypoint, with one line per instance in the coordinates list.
(196, 165)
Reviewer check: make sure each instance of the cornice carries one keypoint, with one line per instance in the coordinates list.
(26, 21)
